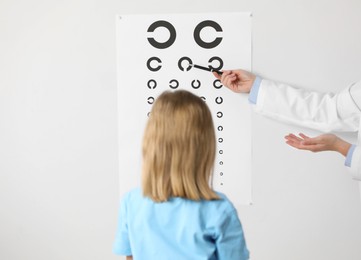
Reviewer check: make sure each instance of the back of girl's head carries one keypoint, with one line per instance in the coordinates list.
(178, 148)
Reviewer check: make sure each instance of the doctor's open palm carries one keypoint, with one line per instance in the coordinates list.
(324, 142)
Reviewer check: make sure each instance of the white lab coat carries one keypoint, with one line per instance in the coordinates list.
(326, 112)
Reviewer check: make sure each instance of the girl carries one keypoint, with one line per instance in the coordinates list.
(176, 215)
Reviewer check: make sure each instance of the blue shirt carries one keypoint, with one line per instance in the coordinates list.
(179, 229)
(253, 99)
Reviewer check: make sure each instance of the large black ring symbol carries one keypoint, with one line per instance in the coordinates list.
(173, 86)
(152, 84)
(150, 100)
(180, 66)
(220, 66)
(172, 37)
(152, 59)
(197, 34)
(194, 85)
(219, 100)
(217, 84)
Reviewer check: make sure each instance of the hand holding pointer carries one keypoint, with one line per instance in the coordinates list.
(239, 81)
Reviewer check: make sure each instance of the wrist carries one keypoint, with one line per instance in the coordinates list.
(342, 146)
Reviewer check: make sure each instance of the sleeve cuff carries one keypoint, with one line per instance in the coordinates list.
(349, 155)
(121, 246)
(254, 90)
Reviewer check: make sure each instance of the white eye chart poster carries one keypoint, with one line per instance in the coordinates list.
(156, 53)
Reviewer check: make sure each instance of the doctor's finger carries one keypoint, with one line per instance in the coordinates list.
(225, 74)
(293, 137)
(313, 141)
(303, 136)
(296, 145)
(294, 142)
(228, 78)
(229, 81)
(217, 75)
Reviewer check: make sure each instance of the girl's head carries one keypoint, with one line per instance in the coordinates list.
(178, 148)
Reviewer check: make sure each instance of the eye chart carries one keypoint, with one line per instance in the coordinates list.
(157, 53)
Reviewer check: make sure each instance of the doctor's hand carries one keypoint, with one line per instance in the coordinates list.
(325, 142)
(239, 81)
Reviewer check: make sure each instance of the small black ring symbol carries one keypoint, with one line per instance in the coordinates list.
(216, 85)
(175, 82)
(152, 59)
(196, 86)
(220, 151)
(150, 100)
(219, 114)
(152, 84)
(204, 99)
(220, 128)
(219, 100)
(180, 66)
(220, 140)
(220, 66)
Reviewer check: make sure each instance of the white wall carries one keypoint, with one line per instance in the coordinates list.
(58, 129)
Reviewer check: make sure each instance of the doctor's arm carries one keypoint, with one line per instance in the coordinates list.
(325, 142)
(321, 111)
(330, 142)
(324, 112)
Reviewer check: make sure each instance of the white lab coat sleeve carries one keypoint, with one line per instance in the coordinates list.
(321, 111)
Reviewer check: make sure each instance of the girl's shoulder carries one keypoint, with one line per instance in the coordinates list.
(222, 195)
(133, 195)
(222, 204)
(223, 198)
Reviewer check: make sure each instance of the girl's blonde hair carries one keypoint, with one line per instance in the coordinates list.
(178, 148)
